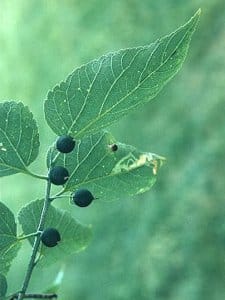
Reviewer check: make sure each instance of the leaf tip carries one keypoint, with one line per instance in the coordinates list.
(196, 16)
(193, 22)
(199, 11)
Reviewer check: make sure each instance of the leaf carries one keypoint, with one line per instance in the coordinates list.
(3, 286)
(56, 283)
(108, 175)
(19, 138)
(9, 245)
(74, 236)
(104, 90)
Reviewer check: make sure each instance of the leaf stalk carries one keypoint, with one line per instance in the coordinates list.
(20, 238)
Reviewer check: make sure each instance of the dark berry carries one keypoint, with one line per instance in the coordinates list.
(65, 143)
(50, 237)
(114, 147)
(82, 197)
(58, 175)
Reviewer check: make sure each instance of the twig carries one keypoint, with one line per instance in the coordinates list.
(34, 296)
(31, 265)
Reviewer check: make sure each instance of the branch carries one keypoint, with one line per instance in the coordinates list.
(34, 296)
(22, 294)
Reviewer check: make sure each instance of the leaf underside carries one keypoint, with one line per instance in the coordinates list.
(108, 174)
(19, 138)
(74, 236)
(9, 245)
(104, 90)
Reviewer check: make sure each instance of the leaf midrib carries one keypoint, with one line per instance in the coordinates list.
(25, 170)
(6, 249)
(107, 176)
(132, 91)
(14, 148)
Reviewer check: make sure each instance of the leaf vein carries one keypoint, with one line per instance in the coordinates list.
(85, 100)
(117, 79)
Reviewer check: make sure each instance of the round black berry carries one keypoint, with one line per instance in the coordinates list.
(58, 175)
(50, 237)
(65, 143)
(114, 147)
(82, 197)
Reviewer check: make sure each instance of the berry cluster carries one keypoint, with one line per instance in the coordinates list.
(58, 175)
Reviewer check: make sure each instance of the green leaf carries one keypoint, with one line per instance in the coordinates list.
(19, 139)
(9, 245)
(56, 283)
(3, 286)
(74, 236)
(104, 90)
(108, 175)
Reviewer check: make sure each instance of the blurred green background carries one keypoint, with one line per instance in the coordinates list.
(169, 243)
